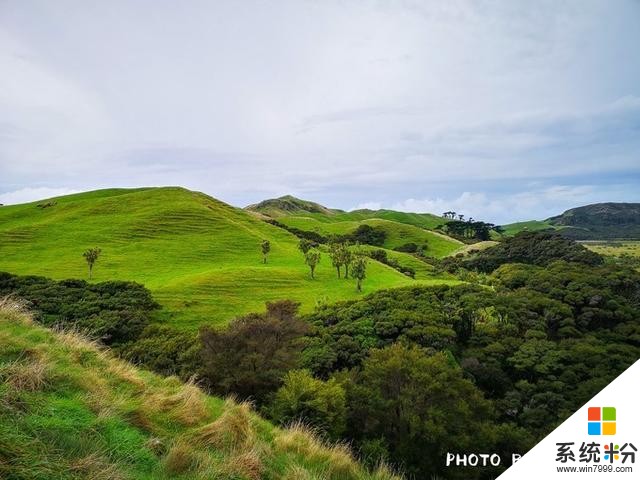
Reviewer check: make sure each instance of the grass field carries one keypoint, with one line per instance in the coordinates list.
(615, 248)
(200, 257)
(530, 226)
(71, 411)
(475, 247)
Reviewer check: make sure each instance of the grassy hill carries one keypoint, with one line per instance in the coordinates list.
(397, 233)
(598, 221)
(529, 226)
(400, 227)
(69, 410)
(200, 257)
(289, 205)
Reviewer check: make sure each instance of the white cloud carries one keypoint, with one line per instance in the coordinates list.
(504, 208)
(334, 98)
(30, 194)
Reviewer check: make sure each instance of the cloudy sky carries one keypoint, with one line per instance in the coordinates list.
(503, 110)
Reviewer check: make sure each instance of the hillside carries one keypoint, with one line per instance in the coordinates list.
(400, 227)
(201, 258)
(69, 410)
(289, 205)
(598, 221)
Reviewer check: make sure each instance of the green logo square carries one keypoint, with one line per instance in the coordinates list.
(609, 414)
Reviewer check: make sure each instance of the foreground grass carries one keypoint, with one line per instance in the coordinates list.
(200, 257)
(69, 410)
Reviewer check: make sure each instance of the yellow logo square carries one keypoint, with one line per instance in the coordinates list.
(608, 428)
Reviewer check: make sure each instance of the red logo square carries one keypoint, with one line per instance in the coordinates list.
(594, 414)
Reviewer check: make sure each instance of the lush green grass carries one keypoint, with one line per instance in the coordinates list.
(475, 247)
(398, 234)
(71, 411)
(200, 257)
(530, 226)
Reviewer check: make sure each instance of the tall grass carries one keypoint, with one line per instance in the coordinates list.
(70, 410)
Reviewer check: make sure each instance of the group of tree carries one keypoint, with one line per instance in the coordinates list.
(367, 235)
(535, 248)
(468, 229)
(343, 256)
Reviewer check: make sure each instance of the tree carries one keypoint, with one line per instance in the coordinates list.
(319, 404)
(417, 403)
(251, 356)
(369, 235)
(91, 256)
(346, 257)
(266, 248)
(359, 270)
(312, 258)
(337, 258)
(304, 245)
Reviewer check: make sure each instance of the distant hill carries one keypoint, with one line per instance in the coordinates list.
(73, 411)
(400, 227)
(200, 257)
(598, 221)
(289, 205)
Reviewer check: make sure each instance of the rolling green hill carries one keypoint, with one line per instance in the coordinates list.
(397, 234)
(529, 226)
(289, 205)
(598, 221)
(200, 257)
(69, 410)
(400, 227)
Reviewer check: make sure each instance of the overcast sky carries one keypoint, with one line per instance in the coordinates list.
(503, 110)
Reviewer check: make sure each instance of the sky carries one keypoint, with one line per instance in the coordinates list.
(502, 110)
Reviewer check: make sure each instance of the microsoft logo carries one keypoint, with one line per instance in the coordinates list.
(602, 421)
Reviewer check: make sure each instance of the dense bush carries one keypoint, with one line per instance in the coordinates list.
(319, 404)
(251, 357)
(114, 312)
(368, 235)
(307, 235)
(411, 247)
(535, 248)
(165, 350)
(537, 347)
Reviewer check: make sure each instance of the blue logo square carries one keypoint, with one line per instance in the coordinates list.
(594, 428)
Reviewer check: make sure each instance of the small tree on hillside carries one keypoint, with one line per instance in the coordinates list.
(91, 256)
(312, 258)
(346, 257)
(305, 245)
(337, 257)
(266, 248)
(359, 270)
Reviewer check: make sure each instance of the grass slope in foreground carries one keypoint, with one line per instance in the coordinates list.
(201, 258)
(69, 410)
